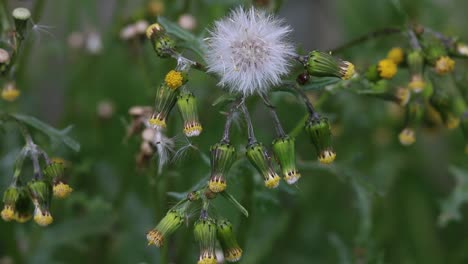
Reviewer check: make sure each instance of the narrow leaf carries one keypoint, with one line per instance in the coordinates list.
(233, 200)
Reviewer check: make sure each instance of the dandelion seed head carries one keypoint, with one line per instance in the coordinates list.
(249, 50)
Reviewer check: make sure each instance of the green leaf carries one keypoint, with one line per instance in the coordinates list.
(190, 41)
(53, 133)
(236, 203)
(450, 207)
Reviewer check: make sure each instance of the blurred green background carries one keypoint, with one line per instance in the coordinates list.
(379, 203)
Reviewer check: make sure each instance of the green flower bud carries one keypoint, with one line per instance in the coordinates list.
(10, 197)
(187, 104)
(433, 50)
(223, 156)
(318, 130)
(372, 73)
(21, 16)
(227, 239)
(163, 44)
(260, 159)
(284, 150)
(168, 225)
(24, 206)
(415, 62)
(322, 64)
(41, 193)
(165, 101)
(380, 86)
(205, 234)
(55, 173)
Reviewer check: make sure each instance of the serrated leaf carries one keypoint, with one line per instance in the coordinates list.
(54, 134)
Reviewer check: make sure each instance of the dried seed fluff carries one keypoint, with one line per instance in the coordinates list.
(249, 50)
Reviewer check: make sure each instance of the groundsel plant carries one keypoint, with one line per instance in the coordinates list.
(28, 196)
(250, 53)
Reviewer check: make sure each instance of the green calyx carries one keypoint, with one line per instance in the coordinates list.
(205, 234)
(223, 156)
(260, 159)
(372, 73)
(168, 225)
(165, 100)
(21, 16)
(164, 46)
(284, 150)
(24, 206)
(11, 195)
(415, 62)
(187, 104)
(41, 193)
(227, 239)
(54, 172)
(319, 132)
(322, 64)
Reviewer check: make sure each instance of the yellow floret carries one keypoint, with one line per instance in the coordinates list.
(327, 157)
(233, 254)
(349, 71)
(43, 218)
(62, 190)
(155, 237)
(407, 137)
(217, 184)
(272, 181)
(10, 93)
(417, 84)
(192, 129)
(158, 122)
(444, 65)
(8, 213)
(174, 79)
(396, 55)
(452, 122)
(403, 96)
(387, 68)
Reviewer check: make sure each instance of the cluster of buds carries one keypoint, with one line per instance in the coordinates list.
(8, 54)
(25, 199)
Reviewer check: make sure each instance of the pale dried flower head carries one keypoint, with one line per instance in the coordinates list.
(249, 50)
(187, 21)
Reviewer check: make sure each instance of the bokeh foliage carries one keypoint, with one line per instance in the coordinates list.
(380, 202)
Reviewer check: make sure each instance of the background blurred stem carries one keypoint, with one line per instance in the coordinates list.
(366, 37)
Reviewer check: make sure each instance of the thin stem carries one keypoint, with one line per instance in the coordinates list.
(305, 99)
(448, 42)
(274, 115)
(250, 130)
(366, 37)
(228, 124)
(414, 42)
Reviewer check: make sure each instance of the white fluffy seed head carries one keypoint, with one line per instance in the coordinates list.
(249, 50)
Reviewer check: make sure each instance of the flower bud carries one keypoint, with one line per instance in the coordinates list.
(187, 104)
(4, 60)
(10, 92)
(24, 206)
(163, 44)
(415, 62)
(284, 150)
(165, 101)
(387, 68)
(260, 159)
(407, 136)
(231, 250)
(402, 96)
(442, 102)
(444, 65)
(205, 234)
(417, 84)
(168, 225)
(397, 55)
(41, 194)
(21, 16)
(55, 172)
(462, 49)
(322, 64)
(318, 130)
(223, 156)
(10, 197)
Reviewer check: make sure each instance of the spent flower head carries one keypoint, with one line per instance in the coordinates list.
(249, 50)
